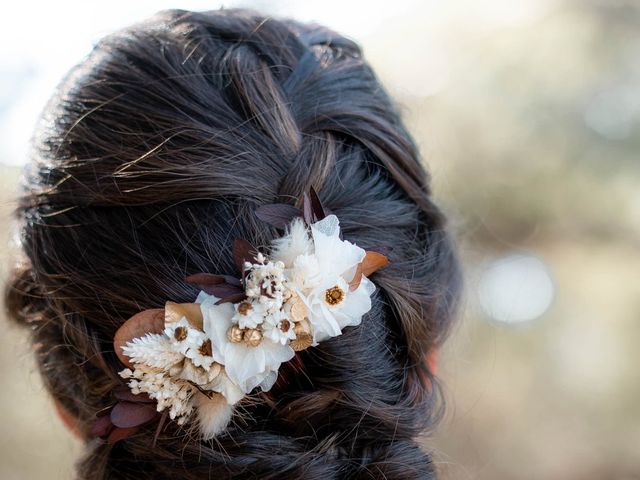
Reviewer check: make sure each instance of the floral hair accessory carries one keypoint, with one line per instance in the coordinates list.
(203, 358)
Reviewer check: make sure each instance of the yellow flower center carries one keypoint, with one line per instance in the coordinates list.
(285, 325)
(334, 295)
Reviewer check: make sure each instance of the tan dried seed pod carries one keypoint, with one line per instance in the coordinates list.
(252, 337)
(299, 311)
(303, 339)
(235, 334)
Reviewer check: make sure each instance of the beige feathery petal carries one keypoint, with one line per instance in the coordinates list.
(153, 350)
(214, 414)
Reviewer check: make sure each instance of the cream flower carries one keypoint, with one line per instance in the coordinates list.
(305, 273)
(246, 366)
(322, 282)
(335, 257)
(345, 309)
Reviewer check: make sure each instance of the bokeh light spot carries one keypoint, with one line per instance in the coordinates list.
(515, 288)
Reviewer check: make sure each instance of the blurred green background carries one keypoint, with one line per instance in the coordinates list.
(528, 116)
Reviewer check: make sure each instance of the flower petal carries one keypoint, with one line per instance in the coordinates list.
(336, 257)
(295, 242)
(355, 305)
(323, 322)
(223, 384)
(216, 322)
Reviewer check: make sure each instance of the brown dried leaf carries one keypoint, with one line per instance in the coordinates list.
(173, 312)
(316, 206)
(307, 210)
(147, 321)
(101, 427)
(243, 251)
(233, 298)
(129, 414)
(120, 434)
(312, 209)
(372, 262)
(223, 290)
(126, 395)
(278, 215)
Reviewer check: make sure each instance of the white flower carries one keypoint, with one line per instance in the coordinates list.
(190, 342)
(253, 314)
(246, 366)
(305, 273)
(328, 320)
(278, 328)
(268, 381)
(183, 336)
(322, 282)
(153, 349)
(335, 257)
(202, 355)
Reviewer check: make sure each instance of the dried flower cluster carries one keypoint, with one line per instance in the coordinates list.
(240, 330)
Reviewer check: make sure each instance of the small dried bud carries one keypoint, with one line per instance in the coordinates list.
(252, 337)
(235, 334)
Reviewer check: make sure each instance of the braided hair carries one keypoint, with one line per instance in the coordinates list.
(151, 157)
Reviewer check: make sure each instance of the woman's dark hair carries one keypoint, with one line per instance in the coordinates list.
(151, 158)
